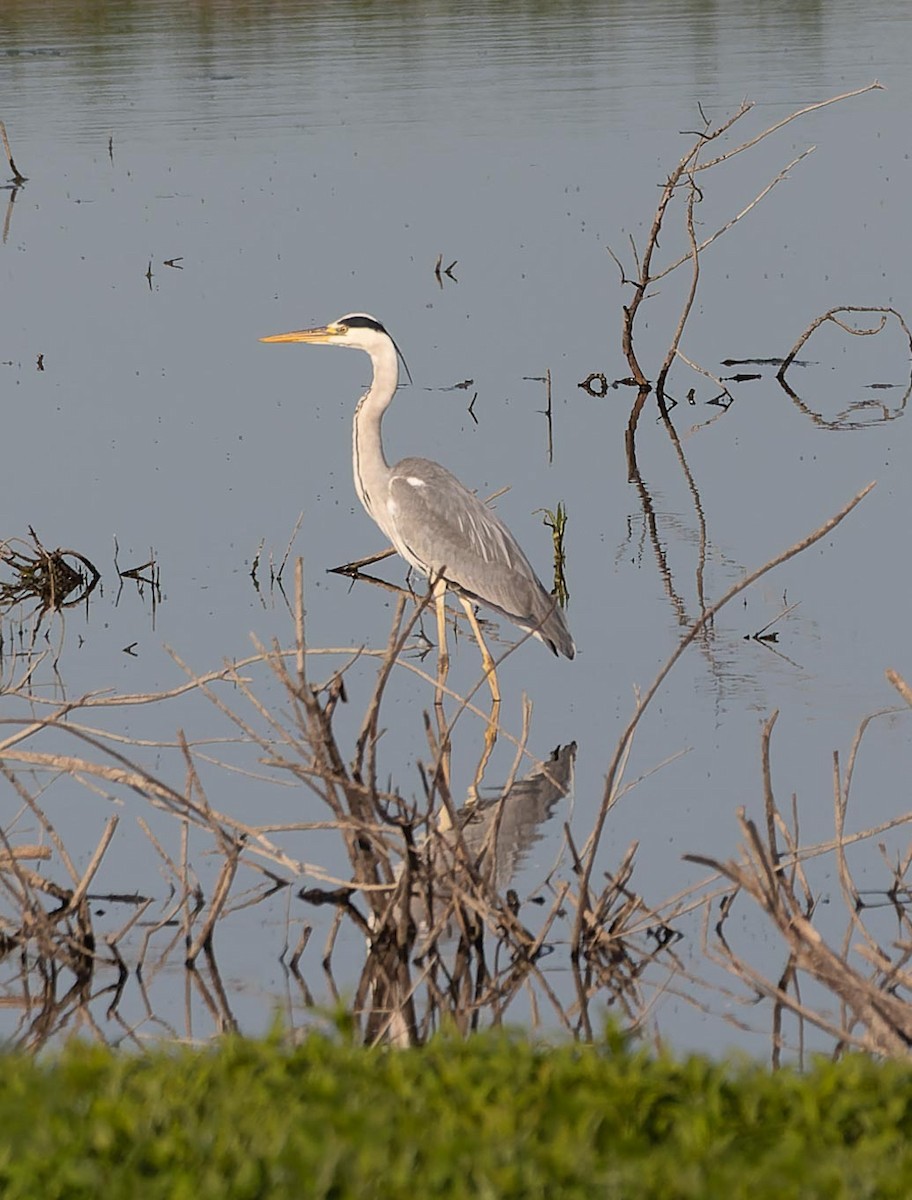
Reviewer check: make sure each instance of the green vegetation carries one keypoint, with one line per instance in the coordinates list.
(496, 1116)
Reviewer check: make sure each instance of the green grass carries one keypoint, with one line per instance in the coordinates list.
(497, 1116)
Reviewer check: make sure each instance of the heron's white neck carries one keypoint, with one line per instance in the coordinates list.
(370, 466)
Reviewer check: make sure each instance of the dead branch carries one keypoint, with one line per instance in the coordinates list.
(886, 1019)
(832, 315)
(684, 175)
(18, 177)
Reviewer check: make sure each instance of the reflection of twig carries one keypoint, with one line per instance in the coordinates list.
(7, 217)
(697, 503)
(649, 513)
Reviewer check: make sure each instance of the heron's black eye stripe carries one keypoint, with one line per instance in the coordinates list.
(359, 321)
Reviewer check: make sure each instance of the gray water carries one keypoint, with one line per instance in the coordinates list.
(299, 161)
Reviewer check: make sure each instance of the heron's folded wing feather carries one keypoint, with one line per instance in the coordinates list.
(439, 526)
(445, 527)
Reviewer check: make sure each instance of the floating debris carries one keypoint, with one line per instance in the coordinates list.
(592, 379)
(440, 270)
(147, 574)
(48, 576)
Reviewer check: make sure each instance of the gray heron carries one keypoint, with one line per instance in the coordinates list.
(436, 524)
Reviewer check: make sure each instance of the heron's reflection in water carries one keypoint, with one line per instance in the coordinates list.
(430, 955)
(490, 837)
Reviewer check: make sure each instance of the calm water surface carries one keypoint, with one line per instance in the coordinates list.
(299, 161)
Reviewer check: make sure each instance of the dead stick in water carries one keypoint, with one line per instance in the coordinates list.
(18, 177)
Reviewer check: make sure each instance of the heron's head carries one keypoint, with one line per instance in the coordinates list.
(359, 331)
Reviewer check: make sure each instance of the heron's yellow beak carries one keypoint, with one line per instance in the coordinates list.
(323, 333)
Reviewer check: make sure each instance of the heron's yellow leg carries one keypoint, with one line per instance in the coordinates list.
(443, 657)
(443, 667)
(487, 661)
(491, 728)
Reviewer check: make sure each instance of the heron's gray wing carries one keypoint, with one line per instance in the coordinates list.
(497, 833)
(506, 828)
(442, 527)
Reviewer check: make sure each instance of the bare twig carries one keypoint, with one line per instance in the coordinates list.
(18, 177)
